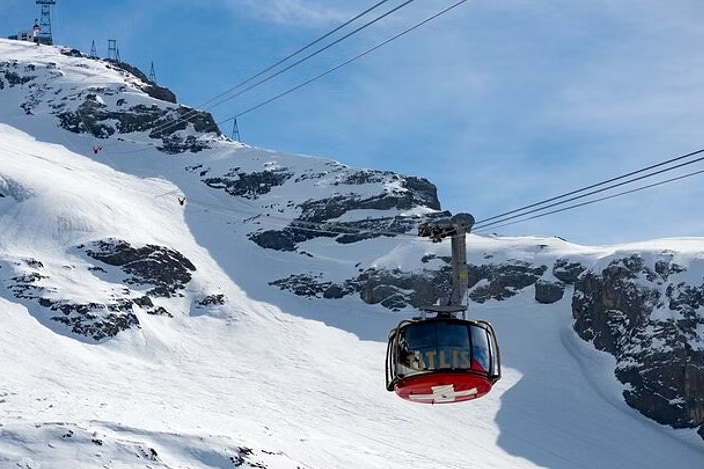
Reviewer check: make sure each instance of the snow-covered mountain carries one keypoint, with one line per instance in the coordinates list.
(169, 298)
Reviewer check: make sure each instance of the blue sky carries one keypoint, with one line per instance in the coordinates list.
(500, 103)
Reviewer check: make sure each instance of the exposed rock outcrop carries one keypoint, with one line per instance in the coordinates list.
(152, 272)
(501, 281)
(549, 292)
(97, 320)
(152, 89)
(642, 312)
(168, 271)
(396, 290)
(567, 271)
(165, 124)
(110, 110)
(249, 185)
(319, 217)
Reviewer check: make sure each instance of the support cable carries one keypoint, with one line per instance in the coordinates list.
(483, 223)
(337, 67)
(589, 202)
(293, 54)
(223, 97)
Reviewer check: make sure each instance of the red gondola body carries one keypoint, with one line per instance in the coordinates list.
(442, 388)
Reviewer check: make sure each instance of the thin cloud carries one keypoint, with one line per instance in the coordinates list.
(293, 12)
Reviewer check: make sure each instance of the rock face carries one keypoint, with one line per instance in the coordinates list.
(111, 110)
(151, 88)
(239, 183)
(501, 281)
(397, 290)
(384, 191)
(95, 319)
(166, 124)
(549, 292)
(394, 290)
(150, 272)
(643, 313)
(167, 270)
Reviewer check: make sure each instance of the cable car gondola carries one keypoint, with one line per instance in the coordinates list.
(442, 359)
(445, 358)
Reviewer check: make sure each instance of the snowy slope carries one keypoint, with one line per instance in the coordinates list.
(266, 379)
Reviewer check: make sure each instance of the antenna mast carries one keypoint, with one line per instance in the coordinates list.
(44, 35)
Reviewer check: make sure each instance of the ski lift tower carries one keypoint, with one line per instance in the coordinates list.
(44, 35)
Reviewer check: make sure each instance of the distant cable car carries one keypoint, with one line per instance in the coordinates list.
(442, 359)
(445, 358)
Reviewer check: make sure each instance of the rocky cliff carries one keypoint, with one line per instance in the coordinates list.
(646, 310)
(139, 277)
(114, 99)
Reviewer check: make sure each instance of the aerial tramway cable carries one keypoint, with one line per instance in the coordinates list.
(337, 67)
(538, 206)
(223, 97)
(506, 218)
(292, 54)
(589, 202)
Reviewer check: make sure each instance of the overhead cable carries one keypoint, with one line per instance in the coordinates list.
(589, 202)
(293, 54)
(537, 206)
(282, 60)
(337, 67)
(223, 97)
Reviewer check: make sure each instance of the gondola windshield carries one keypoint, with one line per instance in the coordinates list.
(433, 345)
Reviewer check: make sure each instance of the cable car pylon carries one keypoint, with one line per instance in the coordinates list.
(441, 356)
(236, 131)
